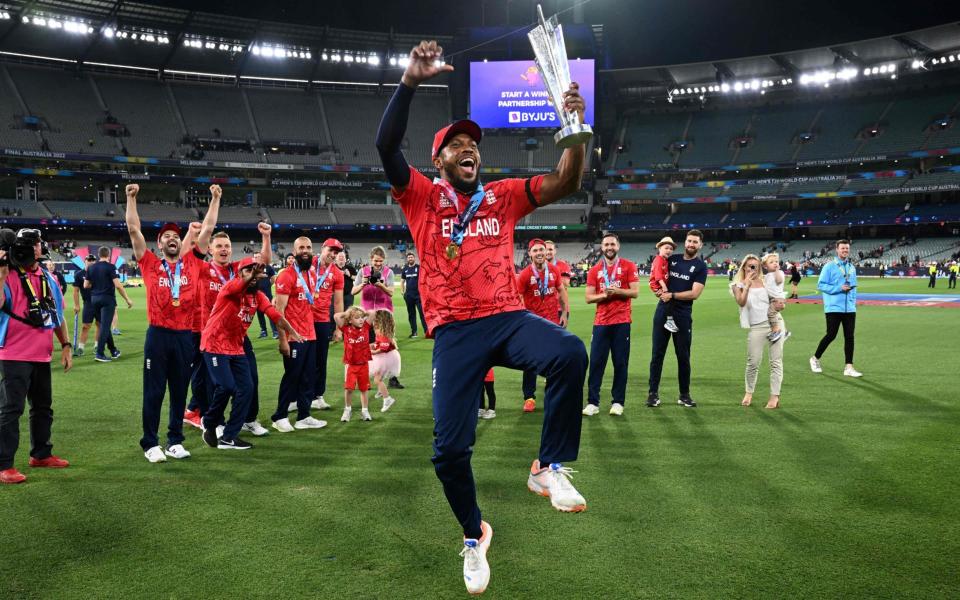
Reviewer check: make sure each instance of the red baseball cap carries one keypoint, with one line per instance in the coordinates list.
(443, 136)
(333, 243)
(169, 227)
(245, 262)
(534, 242)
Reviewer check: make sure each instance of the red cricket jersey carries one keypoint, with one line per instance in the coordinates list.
(328, 280)
(545, 304)
(480, 280)
(160, 309)
(566, 271)
(488, 378)
(212, 278)
(356, 344)
(232, 315)
(299, 313)
(660, 269)
(621, 274)
(385, 344)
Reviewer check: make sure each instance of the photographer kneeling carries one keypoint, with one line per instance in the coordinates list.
(32, 311)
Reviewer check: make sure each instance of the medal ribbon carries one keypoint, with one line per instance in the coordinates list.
(306, 288)
(607, 280)
(543, 282)
(462, 222)
(174, 279)
(320, 279)
(222, 280)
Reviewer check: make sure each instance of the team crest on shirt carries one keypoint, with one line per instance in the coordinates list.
(490, 196)
(444, 201)
(693, 268)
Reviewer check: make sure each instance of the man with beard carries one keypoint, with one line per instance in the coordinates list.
(543, 292)
(566, 273)
(688, 275)
(218, 272)
(327, 292)
(463, 232)
(225, 343)
(612, 284)
(296, 285)
(171, 284)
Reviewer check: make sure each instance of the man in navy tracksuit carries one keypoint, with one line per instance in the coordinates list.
(688, 275)
(103, 282)
(410, 285)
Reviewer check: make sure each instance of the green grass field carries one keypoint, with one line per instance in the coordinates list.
(850, 490)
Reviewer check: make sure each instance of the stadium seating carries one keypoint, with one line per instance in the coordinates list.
(290, 216)
(160, 213)
(89, 211)
(287, 115)
(12, 133)
(30, 210)
(144, 107)
(367, 213)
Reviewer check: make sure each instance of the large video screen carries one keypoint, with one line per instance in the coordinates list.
(511, 93)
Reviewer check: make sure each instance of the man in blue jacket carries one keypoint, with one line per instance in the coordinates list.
(838, 284)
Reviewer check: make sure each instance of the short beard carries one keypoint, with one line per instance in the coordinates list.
(171, 254)
(461, 185)
(303, 263)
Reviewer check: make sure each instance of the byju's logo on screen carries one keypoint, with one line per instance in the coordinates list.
(514, 116)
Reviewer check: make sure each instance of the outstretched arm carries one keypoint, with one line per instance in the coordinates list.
(210, 219)
(566, 179)
(133, 222)
(265, 251)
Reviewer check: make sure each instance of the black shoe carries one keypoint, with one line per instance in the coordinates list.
(687, 401)
(395, 384)
(263, 334)
(234, 444)
(653, 399)
(210, 436)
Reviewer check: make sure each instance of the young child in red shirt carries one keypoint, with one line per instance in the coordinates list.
(355, 325)
(660, 274)
(386, 358)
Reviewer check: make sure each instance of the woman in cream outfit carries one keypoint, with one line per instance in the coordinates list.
(747, 288)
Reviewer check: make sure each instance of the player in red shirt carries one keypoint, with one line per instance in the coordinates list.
(224, 342)
(220, 270)
(612, 284)
(544, 294)
(463, 232)
(172, 285)
(328, 290)
(355, 324)
(566, 271)
(296, 287)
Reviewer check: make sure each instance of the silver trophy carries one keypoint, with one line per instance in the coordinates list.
(551, 55)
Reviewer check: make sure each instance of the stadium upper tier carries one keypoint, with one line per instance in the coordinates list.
(796, 132)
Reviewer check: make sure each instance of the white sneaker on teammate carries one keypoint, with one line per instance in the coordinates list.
(255, 428)
(177, 451)
(347, 412)
(292, 407)
(283, 426)
(554, 482)
(616, 409)
(476, 569)
(590, 409)
(365, 415)
(815, 365)
(671, 326)
(220, 429)
(480, 413)
(309, 423)
(155, 455)
(320, 404)
(849, 371)
(489, 414)
(387, 403)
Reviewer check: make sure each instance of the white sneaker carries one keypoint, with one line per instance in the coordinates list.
(671, 326)
(616, 409)
(554, 482)
(220, 429)
(590, 409)
(476, 569)
(480, 413)
(255, 428)
(378, 395)
(365, 415)
(320, 404)
(387, 403)
(292, 407)
(309, 423)
(849, 371)
(155, 455)
(177, 451)
(815, 365)
(283, 426)
(489, 414)
(345, 417)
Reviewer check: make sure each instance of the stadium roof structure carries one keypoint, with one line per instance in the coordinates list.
(157, 39)
(882, 58)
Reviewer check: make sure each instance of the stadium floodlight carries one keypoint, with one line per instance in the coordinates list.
(393, 61)
(335, 58)
(4, 15)
(25, 19)
(738, 86)
(39, 21)
(54, 24)
(256, 50)
(108, 32)
(348, 58)
(724, 87)
(874, 70)
(404, 62)
(951, 58)
(374, 60)
(916, 64)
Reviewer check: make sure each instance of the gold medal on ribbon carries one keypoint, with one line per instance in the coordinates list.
(452, 250)
(176, 302)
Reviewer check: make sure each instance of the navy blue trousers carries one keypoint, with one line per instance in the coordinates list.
(201, 387)
(296, 385)
(323, 331)
(614, 341)
(103, 308)
(166, 364)
(529, 384)
(463, 352)
(231, 379)
(415, 306)
(254, 409)
(681, 346)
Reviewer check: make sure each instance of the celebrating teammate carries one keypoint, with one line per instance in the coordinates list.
(327, 292)
(463, 232)
(171, 283)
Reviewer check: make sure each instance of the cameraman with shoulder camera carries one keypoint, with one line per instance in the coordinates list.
(32, 311)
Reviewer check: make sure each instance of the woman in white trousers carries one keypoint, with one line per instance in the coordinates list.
(748, 290)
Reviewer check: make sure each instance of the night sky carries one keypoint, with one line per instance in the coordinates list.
(639, 33)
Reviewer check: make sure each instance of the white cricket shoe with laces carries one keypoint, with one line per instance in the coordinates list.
(554, 482)
(309, 423)
(255, 428)
(849, 371)
(387, 403)
(283, 426)
(155, 455)
(476, 569)
(590, 409)
(347, 412)
(320, 404)
(815, 365)
(177, 451)
(616, 409)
